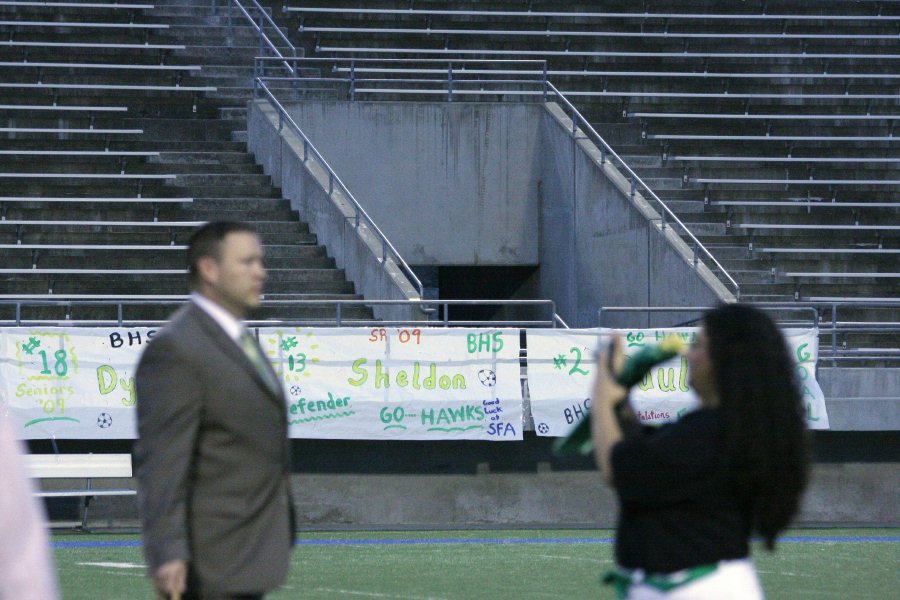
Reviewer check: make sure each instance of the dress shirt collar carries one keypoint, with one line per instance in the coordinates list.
(233, 327)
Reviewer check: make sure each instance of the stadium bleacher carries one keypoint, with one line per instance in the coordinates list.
(120, 132)
(749, 119)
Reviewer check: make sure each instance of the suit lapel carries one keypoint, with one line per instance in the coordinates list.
(227, 345)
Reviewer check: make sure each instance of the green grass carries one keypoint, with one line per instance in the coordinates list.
(495, 571)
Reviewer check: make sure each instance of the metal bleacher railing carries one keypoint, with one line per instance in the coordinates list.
(823, 315)
(538, 313)
(460, 79)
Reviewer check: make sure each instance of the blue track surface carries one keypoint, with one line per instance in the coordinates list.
(890, 539)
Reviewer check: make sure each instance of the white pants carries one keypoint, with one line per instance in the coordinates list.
(733, 580)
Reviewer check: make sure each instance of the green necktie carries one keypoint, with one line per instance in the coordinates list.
(251, 349)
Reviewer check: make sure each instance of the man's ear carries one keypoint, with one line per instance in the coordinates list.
(207, 268)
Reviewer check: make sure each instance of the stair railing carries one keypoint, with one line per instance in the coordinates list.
(290, 64)
(666, 213)
(360, 216)
(259, 24)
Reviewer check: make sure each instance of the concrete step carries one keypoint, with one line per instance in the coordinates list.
(203, 158)
(168, 260)
(46, 235)
(151, 285)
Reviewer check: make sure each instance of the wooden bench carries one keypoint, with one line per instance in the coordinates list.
(95, 25)
(758, 117)
(88, 176)
(639, 16)
(62, 108)
(88, 65)
(606, 54)
(81, 466)
(93, 199)
(788, 159)
(113, 87)
(88, 45)
(573, 33)
(58, 5)
(788, 250)
(813, 227)
(70, 130)
(551, 73)
(837, 274)
(804, 203)
(90, 272)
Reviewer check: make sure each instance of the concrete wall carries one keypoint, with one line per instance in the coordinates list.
(600, 247)
(838, 494)
(450, 184)
(305, 183)
(861, 399)
(847, 493)
(499, 184)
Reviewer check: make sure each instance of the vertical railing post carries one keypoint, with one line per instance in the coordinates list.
(305, 150)
(834, 335)
(352, 80)
(330, 182)
(261, 35)
(120, 313)
(450, 82)
(213, 7)
(230, 10)
(545, 81)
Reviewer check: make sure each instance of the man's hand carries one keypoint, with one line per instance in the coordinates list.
(171, 578)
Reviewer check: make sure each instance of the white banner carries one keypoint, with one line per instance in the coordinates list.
(71, 382)
(391, 383)
(340, 382)
(344, 383)
(561, 371)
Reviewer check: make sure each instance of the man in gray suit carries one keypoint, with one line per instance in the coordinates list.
(212, 455)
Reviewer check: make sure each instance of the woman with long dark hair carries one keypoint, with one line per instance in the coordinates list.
(692, 493)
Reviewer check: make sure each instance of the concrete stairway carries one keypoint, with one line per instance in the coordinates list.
(169, 144)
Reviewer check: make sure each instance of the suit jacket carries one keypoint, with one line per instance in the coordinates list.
(211, 460)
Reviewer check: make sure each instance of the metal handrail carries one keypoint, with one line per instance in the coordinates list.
(307, 144)
(283, 116)
(831, 327)
(635, 181)
(263, 38)
(428, 306)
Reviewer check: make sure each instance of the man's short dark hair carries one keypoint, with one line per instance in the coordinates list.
(206, 241)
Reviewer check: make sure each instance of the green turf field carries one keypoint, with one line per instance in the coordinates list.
(838, 564)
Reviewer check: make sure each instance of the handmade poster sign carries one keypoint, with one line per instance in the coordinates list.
(561, 371)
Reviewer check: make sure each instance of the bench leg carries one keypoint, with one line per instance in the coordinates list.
(84, 509)
(84, 514)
